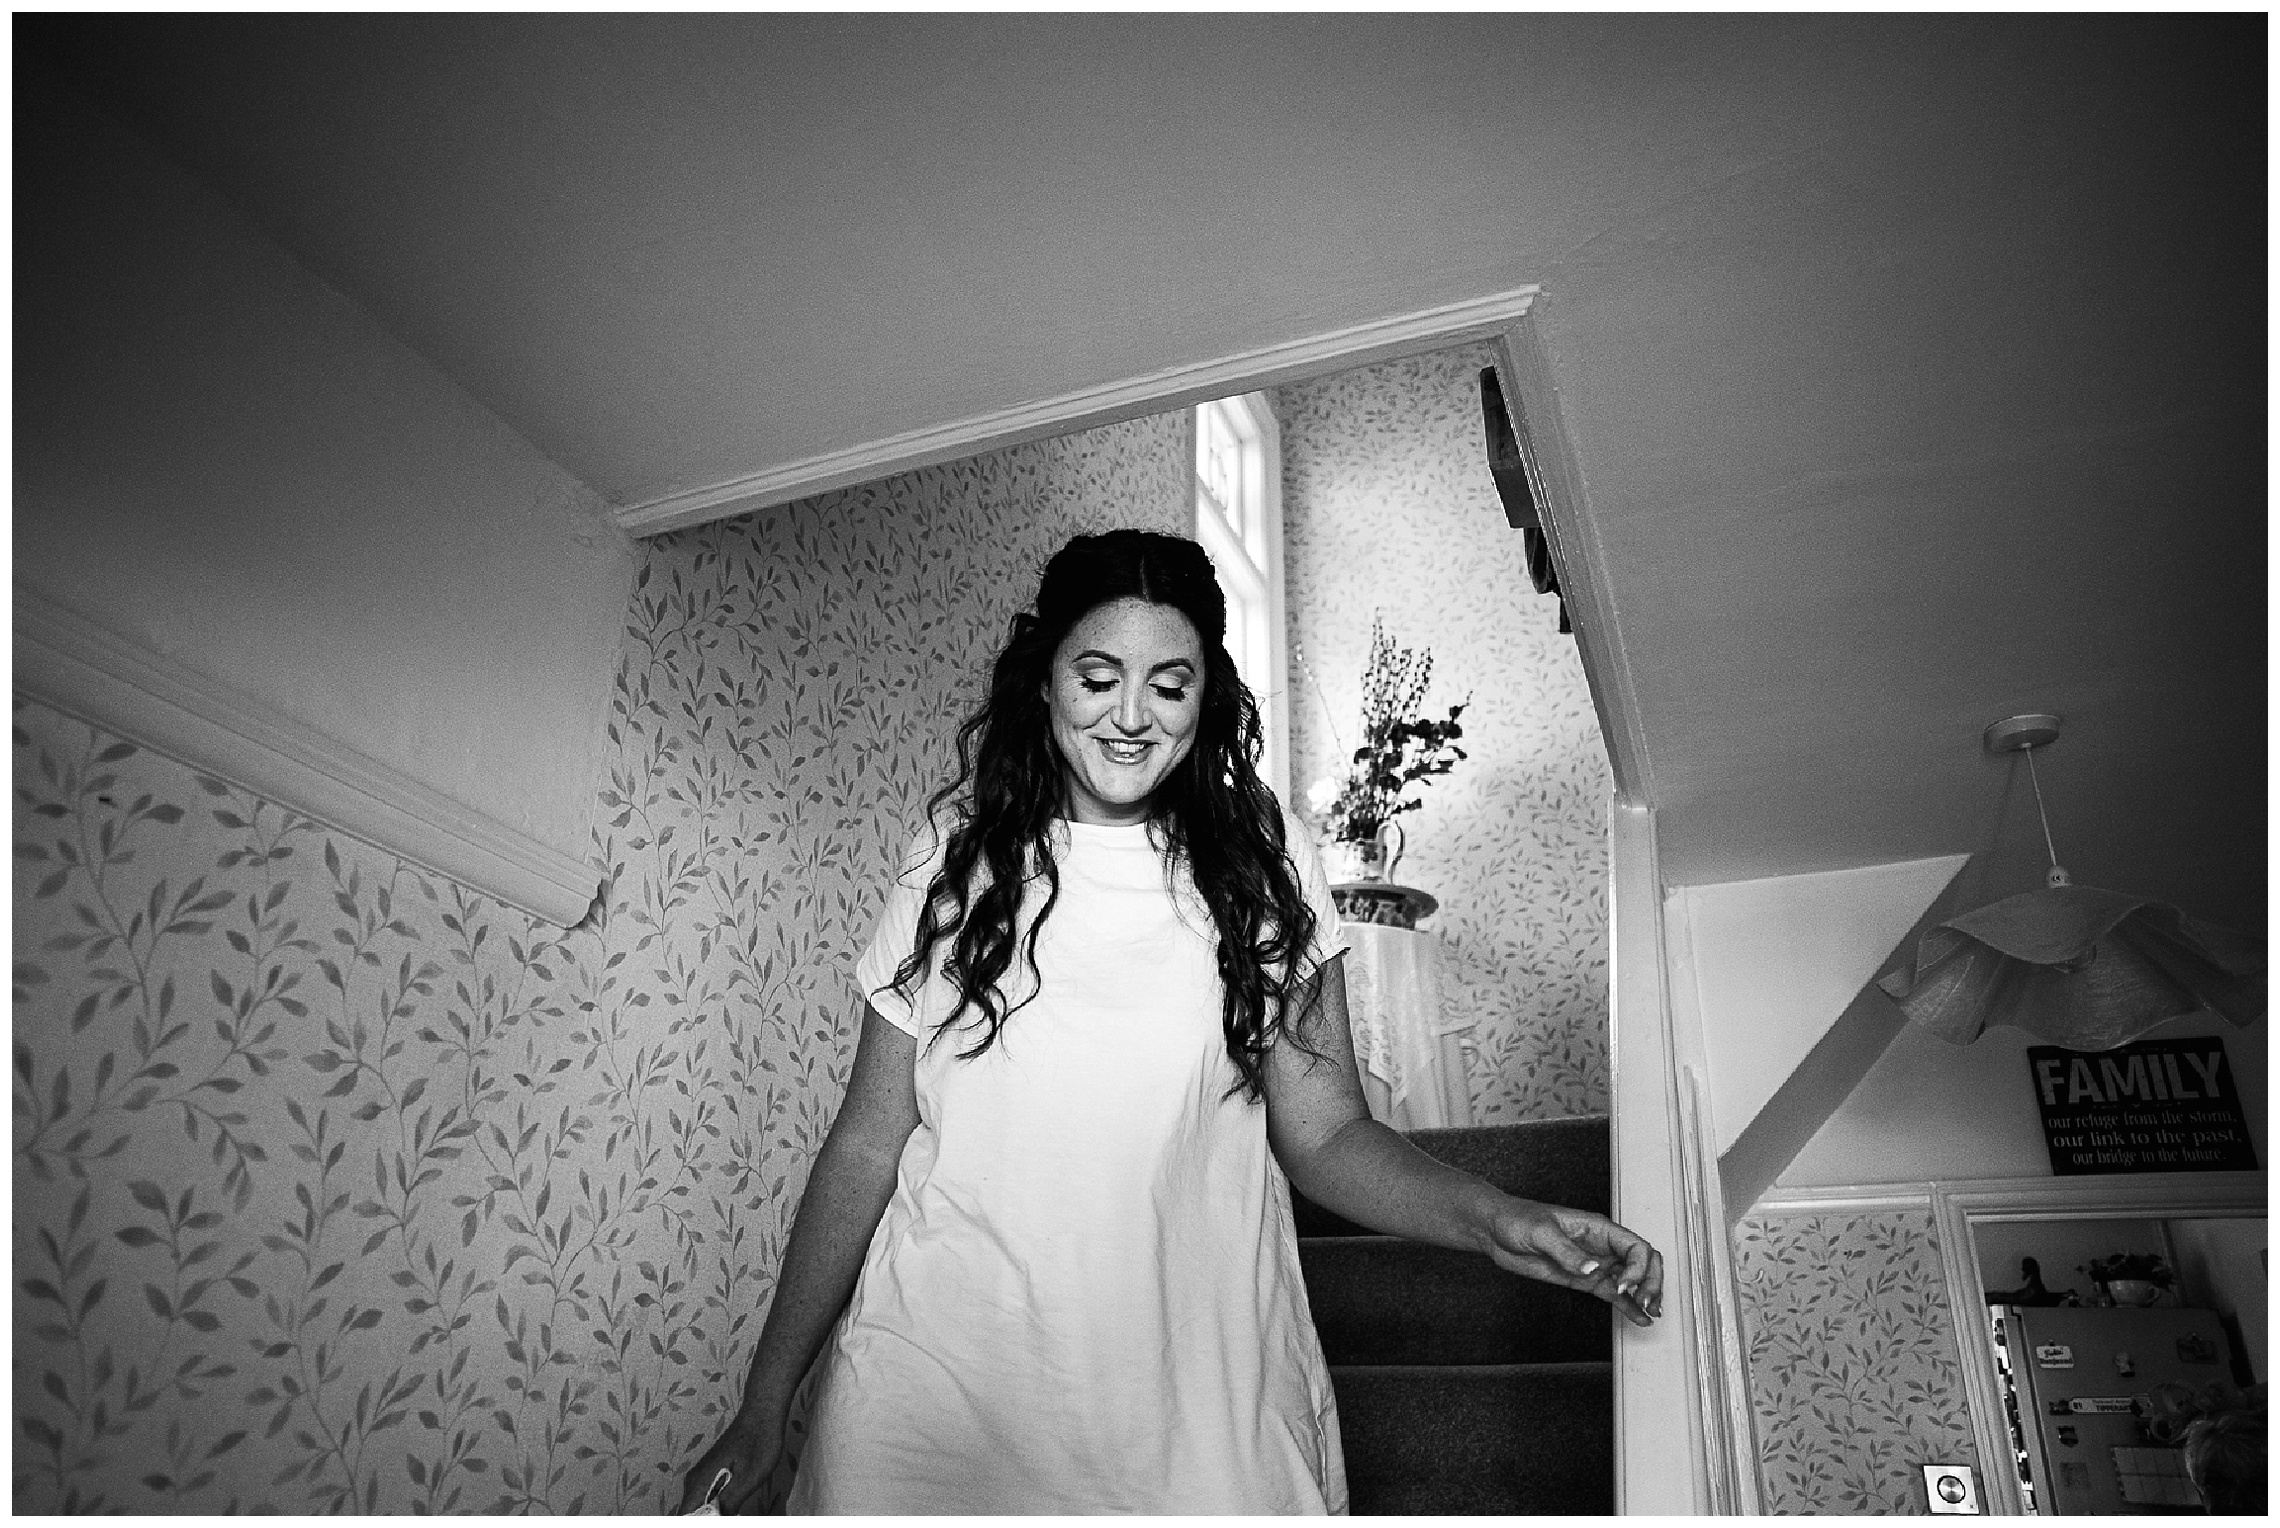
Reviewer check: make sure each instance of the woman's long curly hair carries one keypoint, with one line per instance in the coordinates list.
(1212, 814)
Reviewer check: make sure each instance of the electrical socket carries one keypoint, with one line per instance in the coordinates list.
(1950, 1488)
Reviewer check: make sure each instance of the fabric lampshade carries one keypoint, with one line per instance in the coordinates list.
(2078, 966)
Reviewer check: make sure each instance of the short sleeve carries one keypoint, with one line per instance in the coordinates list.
(1314, 885)
(894, 934)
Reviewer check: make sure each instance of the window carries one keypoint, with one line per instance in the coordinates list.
(1238, 518)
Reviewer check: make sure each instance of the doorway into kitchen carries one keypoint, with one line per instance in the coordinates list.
(2097, 1319)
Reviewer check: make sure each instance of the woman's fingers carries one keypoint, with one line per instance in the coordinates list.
(743, 1492)
(1649, 1287)
(698, 1483)
(752, 1476)
(1638, 1283)
(1530, 1240)
(1575, 1258)
(748, 1463)
(1581, 1250)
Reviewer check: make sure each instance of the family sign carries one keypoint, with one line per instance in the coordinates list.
(2157, 1106)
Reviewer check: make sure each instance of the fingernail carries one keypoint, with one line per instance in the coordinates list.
(1590, 1268)
(1622, 1291)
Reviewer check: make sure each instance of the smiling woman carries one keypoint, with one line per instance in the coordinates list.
(1054, 1258)
(1126, 693)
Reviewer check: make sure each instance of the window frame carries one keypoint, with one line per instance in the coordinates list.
(1247, 549)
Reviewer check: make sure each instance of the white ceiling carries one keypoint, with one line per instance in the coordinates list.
(1914, 366)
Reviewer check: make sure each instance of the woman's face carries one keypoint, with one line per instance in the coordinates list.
(1126, 694)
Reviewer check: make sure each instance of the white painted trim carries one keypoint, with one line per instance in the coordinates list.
(1729, 1430)
(87, 671)
(1660, 1467)
(1746, 1476)
(2125, 1196)
(1975, 1353)
(2118, 1196)
(1531, 398)
(1840, 1198)
(1152, 393)
(1729, 1425)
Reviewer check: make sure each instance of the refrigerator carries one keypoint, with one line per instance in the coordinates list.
(2075, 1382)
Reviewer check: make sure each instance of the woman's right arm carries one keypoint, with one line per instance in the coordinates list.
(847, 1192)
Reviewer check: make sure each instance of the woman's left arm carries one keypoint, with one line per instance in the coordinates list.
(1333, 1152)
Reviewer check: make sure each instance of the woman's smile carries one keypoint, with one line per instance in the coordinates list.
(1125, 697)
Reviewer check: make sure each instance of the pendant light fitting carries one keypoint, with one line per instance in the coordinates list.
(2074, 965)
(2016, 734)
(2024, 734)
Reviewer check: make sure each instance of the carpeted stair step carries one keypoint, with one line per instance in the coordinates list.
(1559, 1161)
(1463, 1388)
(1377, 1300)
(1507, 1438)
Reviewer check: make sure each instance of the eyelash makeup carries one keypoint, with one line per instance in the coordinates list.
(1102, 686)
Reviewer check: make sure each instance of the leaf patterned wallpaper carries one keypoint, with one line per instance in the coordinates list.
(1388, 506)
(1855, 1376)
(341, 1188)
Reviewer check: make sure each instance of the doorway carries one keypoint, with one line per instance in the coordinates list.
(1393, 525)
(2207, 1230)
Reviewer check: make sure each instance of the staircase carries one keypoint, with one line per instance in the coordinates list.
(1463, 1388)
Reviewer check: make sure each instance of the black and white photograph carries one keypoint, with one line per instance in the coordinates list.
(1140, 762)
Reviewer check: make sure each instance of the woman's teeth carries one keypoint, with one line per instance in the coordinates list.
(1123, 753)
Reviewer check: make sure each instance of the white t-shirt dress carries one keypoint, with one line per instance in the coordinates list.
(1084, 1295)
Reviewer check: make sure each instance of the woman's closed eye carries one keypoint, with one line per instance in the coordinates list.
(1103, 686)
(1100, 685)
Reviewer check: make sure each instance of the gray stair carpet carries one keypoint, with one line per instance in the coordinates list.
(1462, 1388)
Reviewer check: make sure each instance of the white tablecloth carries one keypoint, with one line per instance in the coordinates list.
(1412, 1061)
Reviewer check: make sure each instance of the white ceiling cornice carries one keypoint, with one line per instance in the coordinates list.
(1172, 387)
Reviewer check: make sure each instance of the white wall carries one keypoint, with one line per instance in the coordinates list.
(1930, 1110)
(1766, 966)
(1386, 488)
(224, 461)
(2225, 1266)
(1774, 962)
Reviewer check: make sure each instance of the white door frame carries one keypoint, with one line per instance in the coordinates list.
(1958, 1207)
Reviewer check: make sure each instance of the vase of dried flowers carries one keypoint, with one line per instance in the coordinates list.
(1401, 750)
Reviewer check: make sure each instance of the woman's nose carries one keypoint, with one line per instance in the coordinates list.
(1131, 711)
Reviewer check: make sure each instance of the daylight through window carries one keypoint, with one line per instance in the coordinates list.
(1238, 518)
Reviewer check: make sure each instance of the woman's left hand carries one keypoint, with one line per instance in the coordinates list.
(1580, 1250)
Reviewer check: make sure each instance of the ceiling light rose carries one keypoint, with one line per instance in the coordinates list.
(2078, 966)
